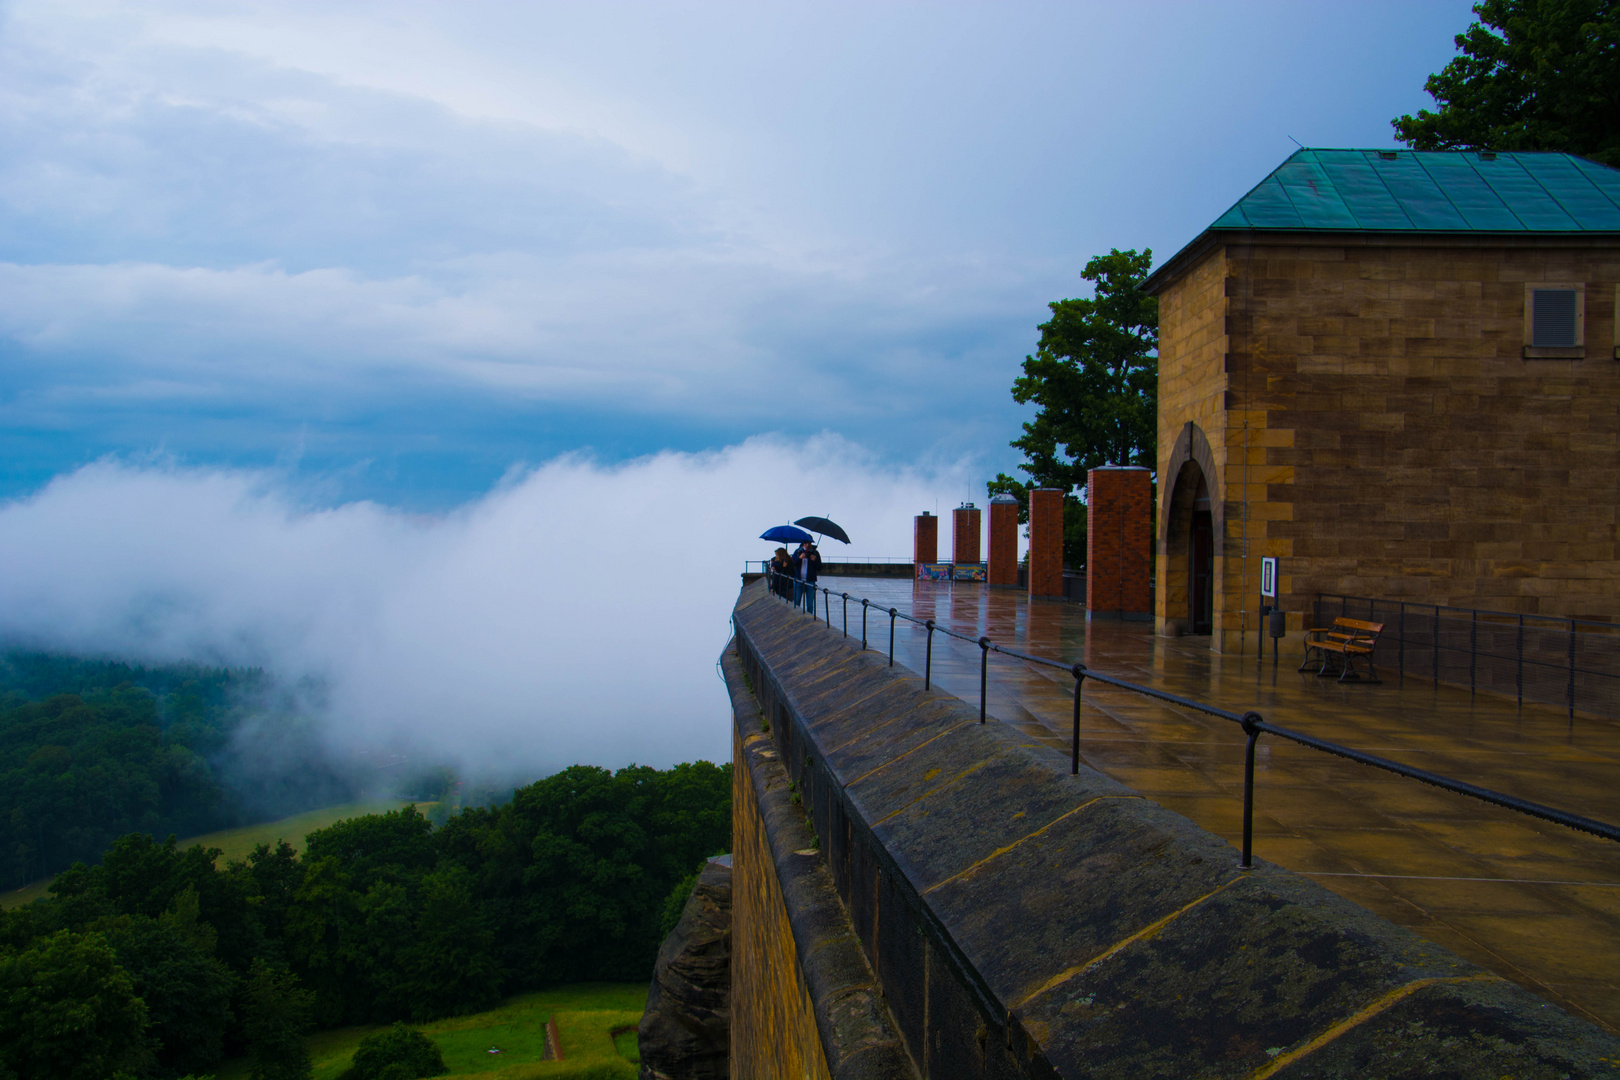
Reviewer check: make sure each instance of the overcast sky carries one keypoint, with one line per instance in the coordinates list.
(452, 355)
(394, 249)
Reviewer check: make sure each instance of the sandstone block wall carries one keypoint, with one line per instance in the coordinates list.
(1400, 444)
(773, 1029)
(1192, 387)
(1017, 921)
(804, 1005)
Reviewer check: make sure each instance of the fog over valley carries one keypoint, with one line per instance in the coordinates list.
(573, 614)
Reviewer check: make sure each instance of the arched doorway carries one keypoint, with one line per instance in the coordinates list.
(1191, 531)
(1190, 547)
(1201, 562)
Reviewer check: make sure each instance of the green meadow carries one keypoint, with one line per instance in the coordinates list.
(592, 1019)
(238, 843)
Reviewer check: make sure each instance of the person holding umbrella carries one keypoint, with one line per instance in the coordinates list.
(809, 560)
(805, 565)
(783, 572)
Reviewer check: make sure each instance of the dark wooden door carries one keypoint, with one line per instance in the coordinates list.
(1202, 573)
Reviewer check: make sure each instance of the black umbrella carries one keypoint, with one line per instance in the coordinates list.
(822, 525)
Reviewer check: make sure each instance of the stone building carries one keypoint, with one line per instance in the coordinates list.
(1396, 372)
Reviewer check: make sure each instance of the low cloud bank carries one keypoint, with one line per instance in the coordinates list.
(574, 614)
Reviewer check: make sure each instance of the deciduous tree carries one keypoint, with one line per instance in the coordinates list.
(1094, 377)
(400, 1052)
(69, 1011)
(277, 1014)
(1531, 75)
(187, 991)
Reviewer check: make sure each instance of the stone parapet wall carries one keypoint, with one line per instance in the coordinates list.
(1016, 921)
(804, 1005)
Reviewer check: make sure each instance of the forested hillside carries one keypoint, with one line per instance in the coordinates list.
(156, 961)
(91, 750)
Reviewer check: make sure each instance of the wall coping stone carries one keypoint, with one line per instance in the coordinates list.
(1096, 933)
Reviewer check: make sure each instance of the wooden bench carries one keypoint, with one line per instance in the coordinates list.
(1342, 644)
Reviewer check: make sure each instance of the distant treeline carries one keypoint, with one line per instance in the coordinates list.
(91, 750)
(157, 962)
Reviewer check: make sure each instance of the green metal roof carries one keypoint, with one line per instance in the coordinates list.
(1432, 191)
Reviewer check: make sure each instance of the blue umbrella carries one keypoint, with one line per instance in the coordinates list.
(785, 534)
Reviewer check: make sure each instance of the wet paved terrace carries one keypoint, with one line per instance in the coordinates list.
(1535, 902)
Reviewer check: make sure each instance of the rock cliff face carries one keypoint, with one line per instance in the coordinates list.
(685, 1034)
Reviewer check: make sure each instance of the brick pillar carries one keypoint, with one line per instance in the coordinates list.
(1046, 542)
(1003, 569)
(924, 540)
(965, 534)
(1118, 515)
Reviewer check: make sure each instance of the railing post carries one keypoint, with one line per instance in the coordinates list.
(864, 604)
(928, 657)
(1079, 673)
(892, 613)
(1400, 639)
(846, 614)
(1571, 692)
(984, 672)
(1250, 722)
(1473, 651)
(1520, 677)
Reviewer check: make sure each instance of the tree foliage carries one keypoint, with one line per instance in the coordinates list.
(399, 1053)
(1094, 377)
(186, 988)
(1531, 75)
(160, 950)
(91, 750)
(277, 1014)
(594, 855)
(68, 1010)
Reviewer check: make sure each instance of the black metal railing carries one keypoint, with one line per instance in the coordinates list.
(764, 565)
(793, 591)
(1538, 658)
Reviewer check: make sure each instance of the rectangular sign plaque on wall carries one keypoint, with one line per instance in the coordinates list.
(1268, 578)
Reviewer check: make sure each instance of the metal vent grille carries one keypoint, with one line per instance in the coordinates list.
(1552, 318)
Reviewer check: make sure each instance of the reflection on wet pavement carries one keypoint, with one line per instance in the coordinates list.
(1534, 902)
